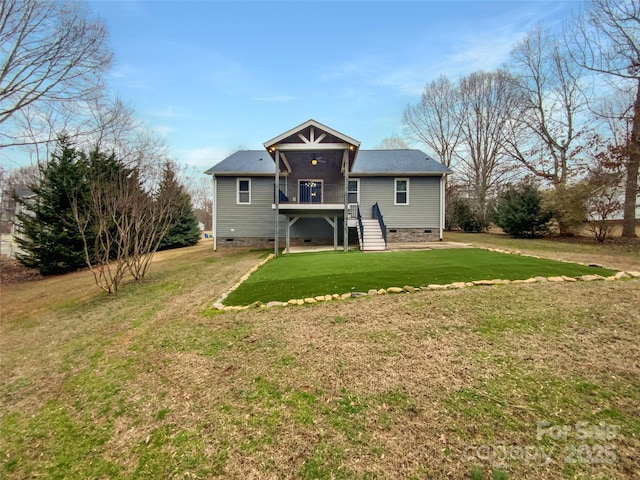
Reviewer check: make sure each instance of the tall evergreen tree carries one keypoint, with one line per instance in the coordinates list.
(49, 235)
(184, 229)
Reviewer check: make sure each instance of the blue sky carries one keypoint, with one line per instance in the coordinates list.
(216, 76)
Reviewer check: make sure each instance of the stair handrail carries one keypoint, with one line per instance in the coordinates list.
(376, 213)
(361, 233)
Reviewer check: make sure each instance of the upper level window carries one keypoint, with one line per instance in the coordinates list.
(401, 191)
(353, 191)
(244, 190)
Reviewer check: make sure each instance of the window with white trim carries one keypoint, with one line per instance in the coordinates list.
(353, 191)
(244, 191)
(401, 191)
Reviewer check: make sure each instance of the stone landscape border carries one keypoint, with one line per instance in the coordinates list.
(219, 305)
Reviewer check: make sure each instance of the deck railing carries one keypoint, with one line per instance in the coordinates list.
(312, 192)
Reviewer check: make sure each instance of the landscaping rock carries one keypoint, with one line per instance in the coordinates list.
(633, 273)
(620, 275)
(300, 301)
(569, 279)
(358, 294)
(234, 308)
(345, 295)
(409, 288)
(542, 279)
(319, 298)
(293, 301)
(382, 291)
(480, 283)
(335, 296)
(394, 290)
(590, 278)
(328, 298)
(275, 304)
(372, 292)
(310, 300)
(436, 287)
(457, 285)
(555, 279)
(218, 306)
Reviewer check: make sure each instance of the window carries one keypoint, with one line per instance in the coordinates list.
(244, 190)
(353, 191)
(401, 191)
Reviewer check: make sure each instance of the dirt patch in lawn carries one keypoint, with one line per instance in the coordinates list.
(12, 272)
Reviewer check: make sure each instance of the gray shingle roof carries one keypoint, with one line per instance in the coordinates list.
(396, 162)
(368, 162)
(245, 162)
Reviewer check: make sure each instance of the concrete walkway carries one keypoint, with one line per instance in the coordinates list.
(391, 247)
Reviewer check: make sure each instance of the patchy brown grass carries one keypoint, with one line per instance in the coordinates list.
(152, 383)
(618, 253)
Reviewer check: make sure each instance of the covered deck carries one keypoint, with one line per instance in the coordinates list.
(313, 163)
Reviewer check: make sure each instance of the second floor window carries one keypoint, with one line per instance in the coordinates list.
(353, 191)
(244, 190)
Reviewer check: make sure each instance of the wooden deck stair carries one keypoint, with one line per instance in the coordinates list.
(371, 238)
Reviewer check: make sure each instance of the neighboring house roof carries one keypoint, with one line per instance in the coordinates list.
(368, 162)
(24, 192)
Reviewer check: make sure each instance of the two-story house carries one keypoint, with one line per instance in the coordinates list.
(328, 191)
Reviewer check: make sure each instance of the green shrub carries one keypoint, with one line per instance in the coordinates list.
(519, 212)
(463, 215)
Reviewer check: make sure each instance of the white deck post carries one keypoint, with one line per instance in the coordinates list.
(277, 201)
(288, 234)
(345, 159)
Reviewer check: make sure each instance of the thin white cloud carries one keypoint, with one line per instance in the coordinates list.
(276, 98)
(168, 112)
(163, 130)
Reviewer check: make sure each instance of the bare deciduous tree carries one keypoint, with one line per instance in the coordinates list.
(487, 102)
(603, 205)
(200, 189)
(606, 40)
(434, 121)
(544, 132)
(53, 55)
(392, 143)
(127, 221)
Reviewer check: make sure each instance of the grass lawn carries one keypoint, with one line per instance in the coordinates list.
(619, 253)
(146, 384)
(308, 275)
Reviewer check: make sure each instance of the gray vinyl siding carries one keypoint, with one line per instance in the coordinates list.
(251, 220)
(256, 219)
(423, 210)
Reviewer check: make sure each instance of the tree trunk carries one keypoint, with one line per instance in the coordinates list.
(633, 165)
